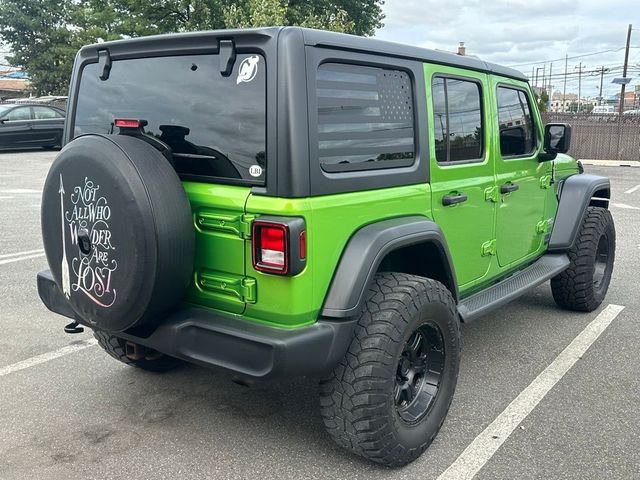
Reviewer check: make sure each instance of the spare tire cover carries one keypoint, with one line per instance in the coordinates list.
(117, 231)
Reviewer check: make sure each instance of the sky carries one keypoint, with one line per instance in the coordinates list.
(529, 32)
(526, 34)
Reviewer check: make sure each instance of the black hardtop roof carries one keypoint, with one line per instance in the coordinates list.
(320, 38)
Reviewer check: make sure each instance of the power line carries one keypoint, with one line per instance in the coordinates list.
(571, 58)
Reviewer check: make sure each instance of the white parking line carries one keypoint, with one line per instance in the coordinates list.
(19, 259)
(46, 357)
(21, 191)
(633, 189)
(20, 254)
(485, 445)
(5, 198)
(625, 206)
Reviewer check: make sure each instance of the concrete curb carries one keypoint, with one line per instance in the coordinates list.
(612, 163)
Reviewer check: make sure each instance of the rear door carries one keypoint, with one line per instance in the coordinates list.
(15, 131)
(214, 122)
(462, 170)
(522, 180)
(46, 126)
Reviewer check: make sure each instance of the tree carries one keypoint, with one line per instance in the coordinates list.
(542, 100)
(584, 107)
(40, 40)
(45, 34)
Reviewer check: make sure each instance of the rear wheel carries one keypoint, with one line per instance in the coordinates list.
(584, 284)
(135, 355)
(388, 397)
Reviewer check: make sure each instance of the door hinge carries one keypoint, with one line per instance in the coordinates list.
(245, 225)
(544, 226)
(545, 181)
(492, 194)
(239, 225)
(489, 248)
(242, 288)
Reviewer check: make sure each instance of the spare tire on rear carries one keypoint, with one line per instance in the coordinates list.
(117, 231)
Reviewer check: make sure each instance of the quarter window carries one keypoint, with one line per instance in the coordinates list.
(457, 119)
(517, 132)
(365, 117)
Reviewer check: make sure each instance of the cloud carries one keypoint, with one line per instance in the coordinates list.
(515, 32)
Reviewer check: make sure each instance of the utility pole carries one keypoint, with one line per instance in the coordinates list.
(624, 72)
(601, 71)
(564, 90)
(579, 86)
(549, 89)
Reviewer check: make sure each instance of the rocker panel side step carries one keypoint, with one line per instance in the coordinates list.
(512, 287)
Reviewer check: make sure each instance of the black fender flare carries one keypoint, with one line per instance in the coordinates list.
(367, 248)
(576, 194)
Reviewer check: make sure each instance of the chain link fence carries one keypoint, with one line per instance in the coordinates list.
(601, 136)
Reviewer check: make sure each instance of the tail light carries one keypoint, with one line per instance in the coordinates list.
(127, 123)
(279, 245)
(130, 126)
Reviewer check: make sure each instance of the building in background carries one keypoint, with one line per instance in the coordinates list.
(13, 84)
(561, 102)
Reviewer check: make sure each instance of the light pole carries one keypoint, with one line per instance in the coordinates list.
(537, 70)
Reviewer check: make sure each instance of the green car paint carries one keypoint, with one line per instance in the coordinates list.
(331, 220)
(221, 232)
(489, 236)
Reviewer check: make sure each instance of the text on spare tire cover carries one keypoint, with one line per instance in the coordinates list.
(91, 273)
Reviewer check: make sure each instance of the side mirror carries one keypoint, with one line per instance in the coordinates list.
(557, 139)
(2, 120)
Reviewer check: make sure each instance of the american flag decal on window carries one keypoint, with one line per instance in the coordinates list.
(365, 117)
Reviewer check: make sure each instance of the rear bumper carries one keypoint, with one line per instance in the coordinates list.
(212, 339)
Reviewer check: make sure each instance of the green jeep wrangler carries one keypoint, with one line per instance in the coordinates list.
(281, 202)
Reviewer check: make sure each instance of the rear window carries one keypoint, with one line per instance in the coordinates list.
(457, 120)
(365, 117)
(215, 125)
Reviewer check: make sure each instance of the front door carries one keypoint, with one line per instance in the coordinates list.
(16, 129)
(461, 169)
(521, 179)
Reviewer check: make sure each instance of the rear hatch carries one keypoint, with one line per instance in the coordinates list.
(210, 109)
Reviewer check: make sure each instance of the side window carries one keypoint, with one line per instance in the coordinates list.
(365, 117)
(457, 122)
(41, 113)
(517, 131)
(21, 113)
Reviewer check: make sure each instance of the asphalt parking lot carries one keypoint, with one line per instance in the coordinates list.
(77, 413)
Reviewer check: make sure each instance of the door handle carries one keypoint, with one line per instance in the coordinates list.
(453, 199)
(509, 187)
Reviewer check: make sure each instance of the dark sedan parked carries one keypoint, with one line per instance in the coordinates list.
(24, 126)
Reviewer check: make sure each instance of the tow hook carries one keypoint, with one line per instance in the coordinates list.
(73, 327)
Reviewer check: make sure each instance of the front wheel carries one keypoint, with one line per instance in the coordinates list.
(584, 284)
(388, 397)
